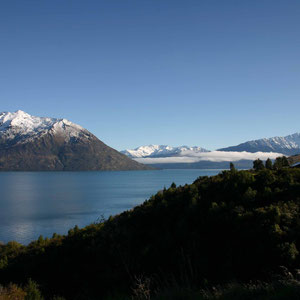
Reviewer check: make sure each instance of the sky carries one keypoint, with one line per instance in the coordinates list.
(210, 73)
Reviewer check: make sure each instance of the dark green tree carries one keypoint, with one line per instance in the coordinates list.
(258, 165)
(285, 162)
(269, 164)
(281, 162)
(232, 167)
(32, 291)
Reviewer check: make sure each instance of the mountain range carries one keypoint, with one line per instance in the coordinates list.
(163, 156)
(288, 145)
(161, 151)
(29, 143)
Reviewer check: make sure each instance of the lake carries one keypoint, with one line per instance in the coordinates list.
(41, 203)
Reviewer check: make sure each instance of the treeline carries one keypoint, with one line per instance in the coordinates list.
(237, 226)
(279, 163)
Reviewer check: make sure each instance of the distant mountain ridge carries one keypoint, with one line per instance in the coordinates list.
(288, 145)
(29, 143)
(163, 156)
(161, 151)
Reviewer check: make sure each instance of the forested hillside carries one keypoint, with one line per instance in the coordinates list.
(238, 226)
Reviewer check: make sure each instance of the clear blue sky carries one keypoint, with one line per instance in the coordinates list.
(134, 72)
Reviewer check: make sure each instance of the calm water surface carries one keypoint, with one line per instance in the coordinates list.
(35, 203)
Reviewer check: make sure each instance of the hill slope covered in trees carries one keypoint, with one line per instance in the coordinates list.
(236, 226)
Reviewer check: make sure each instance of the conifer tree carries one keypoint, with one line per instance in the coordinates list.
(258, 165)
(232, 167)
(281, 162)
(269, 164)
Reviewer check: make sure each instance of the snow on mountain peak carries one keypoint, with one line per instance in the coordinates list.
(161, 151)
(24, 121)
(22, 126)
(288, 145)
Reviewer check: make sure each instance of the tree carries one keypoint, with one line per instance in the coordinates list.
(232, 167)
(258, 165)
(281, 162)
(269, 164)
(285, 162)
(32, 291)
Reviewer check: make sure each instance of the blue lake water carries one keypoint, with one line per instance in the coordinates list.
(41, 203)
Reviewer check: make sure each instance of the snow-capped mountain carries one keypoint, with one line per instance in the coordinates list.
(38, 143)
(166, 157)
(288, 145)
(161, 151)
(184, 157)
(19, 127)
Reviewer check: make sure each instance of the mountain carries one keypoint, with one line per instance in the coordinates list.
(161, 151)
(184, 157)
(288, 145)
(29, 143)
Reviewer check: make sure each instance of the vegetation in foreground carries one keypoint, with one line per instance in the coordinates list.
(280, 290)
(238, 226)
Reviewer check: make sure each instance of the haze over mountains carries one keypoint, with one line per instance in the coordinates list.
(288, 145)
(197, 157)
(29, 143)
(190, 159)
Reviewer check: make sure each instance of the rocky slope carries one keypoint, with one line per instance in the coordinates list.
(29, 143)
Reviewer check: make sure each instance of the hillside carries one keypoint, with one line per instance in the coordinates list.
(29, 143)
(294, 159)
(236, 226)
